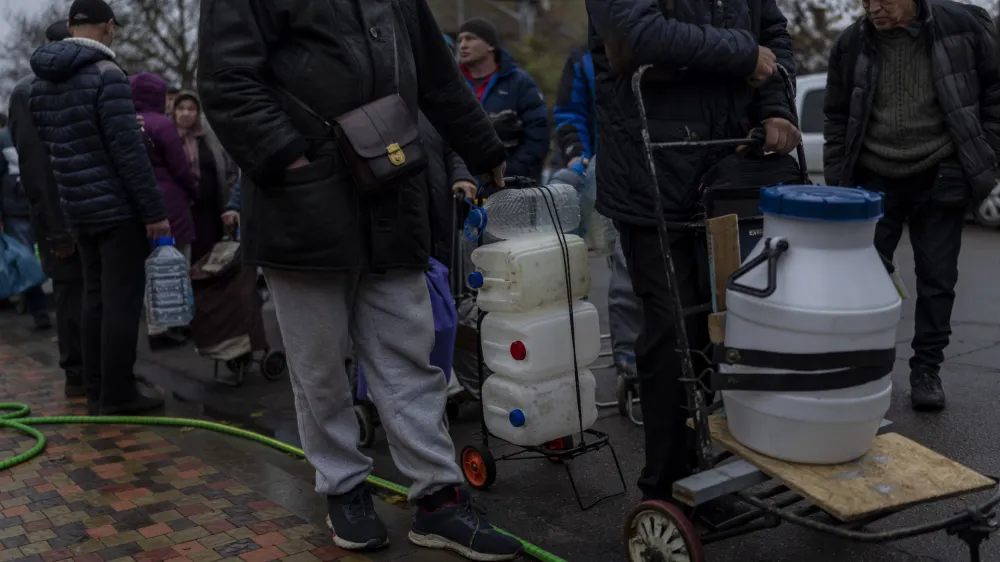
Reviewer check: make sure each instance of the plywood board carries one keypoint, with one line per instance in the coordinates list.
(723, 255)
(717, 327)
(895, 473)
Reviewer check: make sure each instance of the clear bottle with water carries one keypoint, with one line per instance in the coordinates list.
(169, 296)
(599, 231)
(517, 212)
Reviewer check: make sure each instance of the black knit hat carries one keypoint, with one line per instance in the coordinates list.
(481, 29)
(57, 31)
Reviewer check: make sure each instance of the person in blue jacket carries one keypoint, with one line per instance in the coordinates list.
(509, 95)
(576, 136)
(576, 121)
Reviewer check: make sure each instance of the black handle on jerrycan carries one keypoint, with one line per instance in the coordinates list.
(770, 254)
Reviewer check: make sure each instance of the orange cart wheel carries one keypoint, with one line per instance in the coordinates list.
(478, 467)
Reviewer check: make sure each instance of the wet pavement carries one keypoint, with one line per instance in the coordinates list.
(534, 498)
(128, 493)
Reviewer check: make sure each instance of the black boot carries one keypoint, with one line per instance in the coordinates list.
(926, 394)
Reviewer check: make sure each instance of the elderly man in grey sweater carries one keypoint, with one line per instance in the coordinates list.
(913, 111)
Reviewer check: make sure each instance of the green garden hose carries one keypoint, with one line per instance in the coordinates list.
(18, 420)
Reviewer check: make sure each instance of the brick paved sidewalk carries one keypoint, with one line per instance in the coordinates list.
(137, 493)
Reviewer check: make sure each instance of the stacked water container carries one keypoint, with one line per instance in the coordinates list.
(537, 392)
(827, 293)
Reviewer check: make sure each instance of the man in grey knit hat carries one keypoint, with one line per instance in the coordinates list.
(913, 111)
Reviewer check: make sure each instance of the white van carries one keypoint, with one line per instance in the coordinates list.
(809, 97)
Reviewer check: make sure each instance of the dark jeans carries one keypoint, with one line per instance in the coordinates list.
(669, 442)
(114, 282)
(68, 297)
(34, 298)
(933, 205)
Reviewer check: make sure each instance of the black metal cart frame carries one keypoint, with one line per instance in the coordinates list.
(478, 463)
(777, 504)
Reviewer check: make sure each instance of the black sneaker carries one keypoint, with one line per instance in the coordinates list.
(139, 405)
(461, 527)
(926, 394)
(165, 341)
(353, 521)
(43, 322)
(74, 388)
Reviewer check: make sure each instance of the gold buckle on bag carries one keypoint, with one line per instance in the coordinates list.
(396, 154)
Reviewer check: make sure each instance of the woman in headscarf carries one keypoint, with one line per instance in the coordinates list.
(218, 201)
(177, 183)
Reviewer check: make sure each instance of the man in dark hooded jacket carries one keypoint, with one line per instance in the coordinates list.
(714, 79)
(344, 265)
(82, 107)
(509, 95)
(56, 246)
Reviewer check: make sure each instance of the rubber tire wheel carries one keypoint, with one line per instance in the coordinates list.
(366, 423)
(621, 393)
(274, 365)
(236, 366)
(652, 526)
(452, 409)
(478, 467)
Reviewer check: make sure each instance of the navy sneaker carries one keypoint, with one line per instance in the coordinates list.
(461, 527)
(353, 521)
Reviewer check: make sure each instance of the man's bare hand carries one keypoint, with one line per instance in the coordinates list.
(299, 162)
(231, 217)
(767, 65)
(781, 135)
(496, 176)
(465, 188)
(584, 161)
(158, 229)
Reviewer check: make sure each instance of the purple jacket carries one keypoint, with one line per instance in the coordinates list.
(173, 171)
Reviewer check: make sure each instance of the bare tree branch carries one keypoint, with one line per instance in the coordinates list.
(158, 36)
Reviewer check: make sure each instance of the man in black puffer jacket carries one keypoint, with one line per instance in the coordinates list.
(56, 245)
(81, 104)
(712, 81)
(345, 265)
(913, 111)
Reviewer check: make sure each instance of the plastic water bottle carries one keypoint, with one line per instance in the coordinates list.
(517, 212)
(169, 296)
(598, 231)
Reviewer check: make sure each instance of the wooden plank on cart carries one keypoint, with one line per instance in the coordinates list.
(723, 255)
(895, 473)
(717, 327)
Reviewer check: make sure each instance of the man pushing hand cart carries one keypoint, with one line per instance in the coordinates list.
(668, 173)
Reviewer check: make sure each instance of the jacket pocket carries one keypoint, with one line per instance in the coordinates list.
(309, 221)
(951, 186)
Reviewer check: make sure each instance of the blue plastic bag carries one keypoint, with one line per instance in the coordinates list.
(445, 324)
(19, 269)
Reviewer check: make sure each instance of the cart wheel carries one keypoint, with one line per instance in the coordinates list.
(657, 530)
(561, 444)
(273, 366)
(478, 467)
(236, 365)
(623, 396)
(366, 424)
(451, 408)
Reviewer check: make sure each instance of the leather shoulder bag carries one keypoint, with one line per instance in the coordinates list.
(380, 141)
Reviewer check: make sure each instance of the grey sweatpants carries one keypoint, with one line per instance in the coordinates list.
(389, 319)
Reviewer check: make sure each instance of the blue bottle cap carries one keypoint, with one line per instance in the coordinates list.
(164, 241)
(476, 279)
(516, 418)
(476, 218)
(821, 203)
